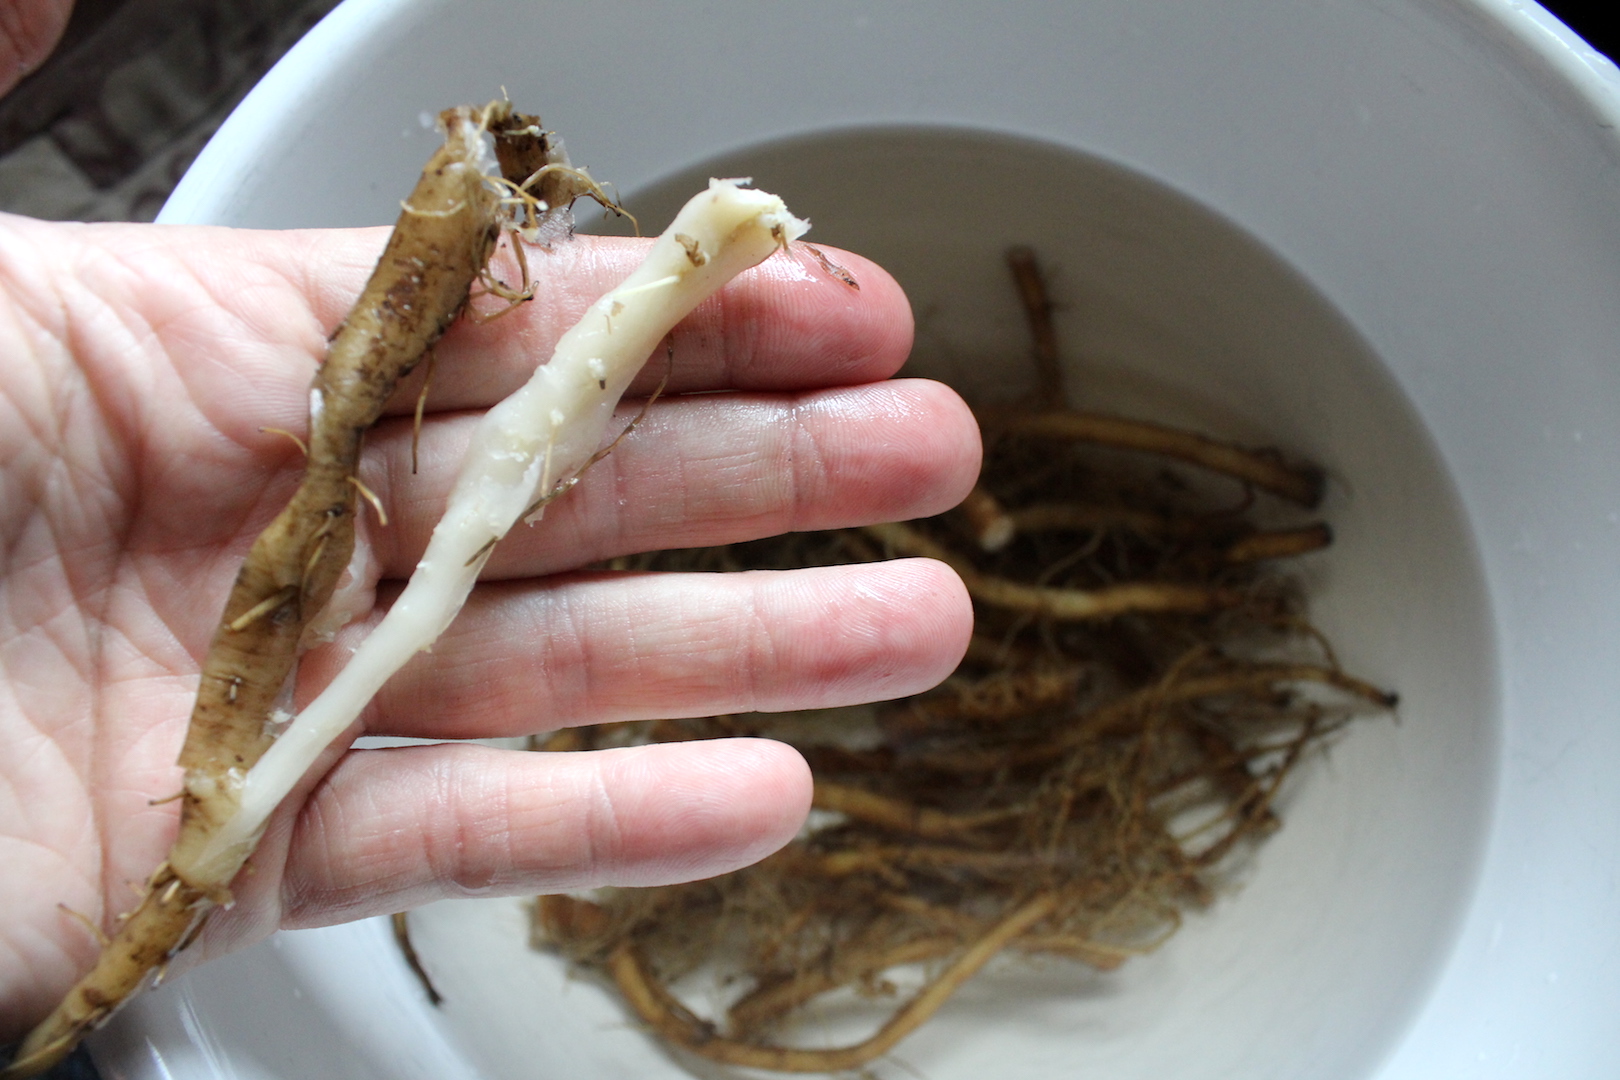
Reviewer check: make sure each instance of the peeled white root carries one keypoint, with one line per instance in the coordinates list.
(524, 449)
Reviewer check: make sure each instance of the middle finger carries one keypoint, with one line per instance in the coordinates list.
(607, 647)
(703, 470)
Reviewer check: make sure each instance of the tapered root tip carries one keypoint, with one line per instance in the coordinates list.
(164, 923)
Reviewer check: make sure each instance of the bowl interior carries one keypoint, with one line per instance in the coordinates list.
(1318, 960)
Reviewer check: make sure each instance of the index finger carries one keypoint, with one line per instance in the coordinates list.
(790, 323)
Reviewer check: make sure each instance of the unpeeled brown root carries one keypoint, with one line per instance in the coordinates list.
(1140, 687)
(439, 246)
(1064, 605)
(670, 1019)
(527, 450)
(1300, 484)
(240, 760)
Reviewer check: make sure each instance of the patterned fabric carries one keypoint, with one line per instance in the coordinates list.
(107, 127)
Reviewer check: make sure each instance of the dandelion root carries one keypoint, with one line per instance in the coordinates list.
(1140, 687)
(440, 244)
(1265, 470)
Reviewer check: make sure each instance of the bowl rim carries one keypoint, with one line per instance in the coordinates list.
(261, 119)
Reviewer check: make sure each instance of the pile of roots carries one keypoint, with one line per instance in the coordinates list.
(1140, 684)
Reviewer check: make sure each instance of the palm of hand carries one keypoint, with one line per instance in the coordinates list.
(143, 367)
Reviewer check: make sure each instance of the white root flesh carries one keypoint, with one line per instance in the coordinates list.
(524, 449)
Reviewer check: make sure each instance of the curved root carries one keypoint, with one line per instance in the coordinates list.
(660, 1009)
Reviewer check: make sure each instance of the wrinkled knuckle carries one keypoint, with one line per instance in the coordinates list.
(602, 839)
(807, 473)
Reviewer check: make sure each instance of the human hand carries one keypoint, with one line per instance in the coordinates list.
(28, 31)
(146, 367)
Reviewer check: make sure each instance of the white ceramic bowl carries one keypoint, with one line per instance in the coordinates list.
(1384, 233)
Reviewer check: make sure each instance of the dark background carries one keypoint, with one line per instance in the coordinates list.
(1593, 21)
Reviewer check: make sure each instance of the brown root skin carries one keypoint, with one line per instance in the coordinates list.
(1031, 285)
(1263, 469)
(888, 858)
(997, 697)
(1123, 713)
(674, 1022)
(1279, 544)
(168, 914)
(534, 164)
(1062, 605)
(1076, 517)
(523, 149)
(1109, 602)
(900, 816)
(586, 929)
(440, 244)
(402, 938)
(771, 1001)
(991, 652)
